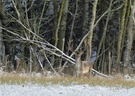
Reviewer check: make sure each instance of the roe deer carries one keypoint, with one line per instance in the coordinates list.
(82, 67)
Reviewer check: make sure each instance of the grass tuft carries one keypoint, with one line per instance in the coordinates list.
(17, 79)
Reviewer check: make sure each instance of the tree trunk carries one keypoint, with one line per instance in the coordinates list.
(130, 33)
(86, 16)
(121, 32)
(61, 34)
(90, 36)
(58, 30)
(1, 37)
(1, 44)
(102, 44)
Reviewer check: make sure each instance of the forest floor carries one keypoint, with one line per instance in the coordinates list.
(12, 84)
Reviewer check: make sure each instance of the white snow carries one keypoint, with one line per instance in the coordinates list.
(59, 90)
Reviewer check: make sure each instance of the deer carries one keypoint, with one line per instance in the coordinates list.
(82, 67)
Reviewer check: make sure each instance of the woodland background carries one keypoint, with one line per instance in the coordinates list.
(42, 35)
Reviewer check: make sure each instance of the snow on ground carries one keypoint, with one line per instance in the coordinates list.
(59, 90)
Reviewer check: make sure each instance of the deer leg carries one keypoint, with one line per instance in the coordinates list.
(90, 73)
(81, 74)
(17, 66)
(77, 73)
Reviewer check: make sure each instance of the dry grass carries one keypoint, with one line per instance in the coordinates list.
(17, 79)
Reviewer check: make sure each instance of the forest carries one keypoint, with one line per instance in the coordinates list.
(44, 35)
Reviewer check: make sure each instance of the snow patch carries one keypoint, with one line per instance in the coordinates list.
(59, 90)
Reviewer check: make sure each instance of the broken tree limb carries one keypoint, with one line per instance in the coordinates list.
(46, 46)
(98, 73)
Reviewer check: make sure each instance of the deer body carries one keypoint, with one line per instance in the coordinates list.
(82, 67)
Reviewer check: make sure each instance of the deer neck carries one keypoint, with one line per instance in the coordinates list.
(78, 61)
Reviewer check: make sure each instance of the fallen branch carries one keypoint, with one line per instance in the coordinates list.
(50, 48)
(101, 74)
